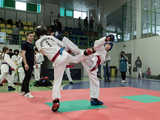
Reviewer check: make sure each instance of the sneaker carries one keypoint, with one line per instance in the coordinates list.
(95, 101)
(29, 95)
(123, 81)
(10, 88)
(99, 76)
(55, 105)
(71, 83)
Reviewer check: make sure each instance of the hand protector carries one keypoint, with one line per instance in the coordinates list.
(89, 51)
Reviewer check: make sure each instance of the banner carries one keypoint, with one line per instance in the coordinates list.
(2, 37)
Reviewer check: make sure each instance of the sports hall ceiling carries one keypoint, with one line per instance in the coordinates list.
(84, 5)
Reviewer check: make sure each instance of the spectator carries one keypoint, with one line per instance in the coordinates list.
(10, 53)
(15, 35)
(86, 23)
(106, 68)
(20, 25)
(138, 64)
(37, 67)
(10, 22)
(79, 23)
(148, 72)
(28, 62)
(99, 72)
(91, 23)
(123, 66)
(100, 30)
(58, 25)
(2, 21)
(6, 69)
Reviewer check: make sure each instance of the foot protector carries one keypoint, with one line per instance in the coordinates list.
(89, 51)
(55, 105)
(95, 101)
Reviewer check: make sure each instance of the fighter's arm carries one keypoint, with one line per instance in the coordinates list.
(99, 43)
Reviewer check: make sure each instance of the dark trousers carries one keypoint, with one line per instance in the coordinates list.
(123, 75)
(99, 71)
(106, 74)
(27, 78)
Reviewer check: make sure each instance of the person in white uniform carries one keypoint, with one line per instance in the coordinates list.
(94, 57)
(19, 74)
(6, 68)
(91, 62)
(68, 72)
(54, 50)
(37, 67)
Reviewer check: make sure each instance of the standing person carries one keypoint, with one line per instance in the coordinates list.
(106, 68)
(28, 62)
(91, 23)
(37, 67)
(99, 72)
(79, 23)
(94, 57)
(6, 69)
(54, 50)
(123, 66)
(138, 64)
(15, 60)
(86, 24)
(68, 72)
(21, 73)
(10, 53)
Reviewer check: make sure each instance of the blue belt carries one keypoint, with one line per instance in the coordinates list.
(61, 50)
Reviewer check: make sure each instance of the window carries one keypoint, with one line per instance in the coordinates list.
(39, 8)
(9, 3)
(62, 12)
(2, 37)
(20, 6)
(31, 7)
(78, 14)
(84, 15)
(69, 13)
(1, 3)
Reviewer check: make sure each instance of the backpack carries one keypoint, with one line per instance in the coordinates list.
(43, 82)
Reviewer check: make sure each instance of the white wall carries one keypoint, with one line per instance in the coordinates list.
(147, 48)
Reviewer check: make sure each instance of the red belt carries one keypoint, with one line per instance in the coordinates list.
(55, 56)
(98, 63)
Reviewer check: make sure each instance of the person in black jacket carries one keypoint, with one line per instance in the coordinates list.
(28, 63)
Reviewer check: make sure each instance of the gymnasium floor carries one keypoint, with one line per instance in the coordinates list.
(135, 100)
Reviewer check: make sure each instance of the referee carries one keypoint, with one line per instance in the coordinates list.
(28, 63)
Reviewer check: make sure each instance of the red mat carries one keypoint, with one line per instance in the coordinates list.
(16, 107)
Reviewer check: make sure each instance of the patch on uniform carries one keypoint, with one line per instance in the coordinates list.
(76, 105)
(143, 98)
